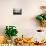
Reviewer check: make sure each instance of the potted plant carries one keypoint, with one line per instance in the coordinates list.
(10, 31)
(42, 17)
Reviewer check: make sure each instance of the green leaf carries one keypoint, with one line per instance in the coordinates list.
(40, 18)
(10, 31)
(45, 16)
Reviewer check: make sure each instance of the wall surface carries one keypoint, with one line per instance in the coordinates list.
(25, 23)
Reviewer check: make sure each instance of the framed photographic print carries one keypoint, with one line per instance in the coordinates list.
(17, 11)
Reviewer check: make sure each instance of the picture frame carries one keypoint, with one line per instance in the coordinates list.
(17, 11)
